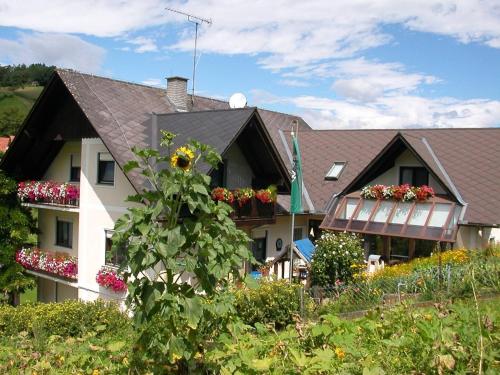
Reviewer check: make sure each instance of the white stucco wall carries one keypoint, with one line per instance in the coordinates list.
(47, 225)
(474, 237)
(100, 207)
(59, 169)
(406, 159)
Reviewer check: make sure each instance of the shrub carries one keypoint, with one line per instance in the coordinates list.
(336, 259)
(274, 302)
(68, 318)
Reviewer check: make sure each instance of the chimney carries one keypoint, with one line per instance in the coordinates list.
(177, 92)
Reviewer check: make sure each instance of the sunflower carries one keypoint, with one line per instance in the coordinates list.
(182, 158)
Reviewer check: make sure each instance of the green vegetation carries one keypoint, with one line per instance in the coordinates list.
(456, 338)
(95, 338)
(270, 302)
(337, 258)
(29, 296)
(20, 86)
(183, 253)
(64, 338)
(15, 230)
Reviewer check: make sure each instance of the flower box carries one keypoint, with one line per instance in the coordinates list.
(402, 193)
(109, 278)
(49, 192)
(57, 264)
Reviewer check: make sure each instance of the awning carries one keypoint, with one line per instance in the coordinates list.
(306, 248)
(435, 219)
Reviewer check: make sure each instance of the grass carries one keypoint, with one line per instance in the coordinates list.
(29, 296)
(21, 99)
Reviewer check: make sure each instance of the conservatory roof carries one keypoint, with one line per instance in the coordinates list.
(435, 219)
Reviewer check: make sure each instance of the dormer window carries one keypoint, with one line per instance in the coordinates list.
(335, 170)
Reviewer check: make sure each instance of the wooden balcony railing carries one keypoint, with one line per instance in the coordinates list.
(254, 212)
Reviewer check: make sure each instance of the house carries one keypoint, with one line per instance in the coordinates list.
(81, 131)
(83, 127)
(461, 165)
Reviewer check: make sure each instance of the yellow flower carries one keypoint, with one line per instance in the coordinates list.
(95, 372)
(125, 361)
(428, 317)
(182, 158)
(340, 353)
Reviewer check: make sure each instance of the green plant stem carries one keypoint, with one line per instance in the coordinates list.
(481, 345)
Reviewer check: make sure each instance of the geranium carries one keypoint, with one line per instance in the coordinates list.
(266, 195)
(243, 195)
(404, 193)
(39, 260)
(108, 278)
(222, 195)
(48, 192)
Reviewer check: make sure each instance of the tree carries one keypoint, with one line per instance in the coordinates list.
(10, 121)
(16, 227)
(183, 251)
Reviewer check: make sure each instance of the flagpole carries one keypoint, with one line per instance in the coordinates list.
(290, 271)
(291, 250)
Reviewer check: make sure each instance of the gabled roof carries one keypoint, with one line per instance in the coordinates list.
(221, 129)
(470, 157)
(120, 112)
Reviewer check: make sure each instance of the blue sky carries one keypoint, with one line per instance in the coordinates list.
(342, 64)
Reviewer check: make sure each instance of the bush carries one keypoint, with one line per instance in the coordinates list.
(337, 258)
(274, 302)
(438, 340)
(68, 318)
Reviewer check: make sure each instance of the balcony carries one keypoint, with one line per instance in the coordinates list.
(49, 195)
(56, 266)
(250, 207)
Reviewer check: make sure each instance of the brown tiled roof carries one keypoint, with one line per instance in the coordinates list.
(121, 111)
(470, 157)
(5, 142)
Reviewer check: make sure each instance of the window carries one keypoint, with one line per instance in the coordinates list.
(219, 176)
(105, 168)
(74, 172)
(259, 251)
(114, 256)
(335, 170)
(64, 233)
(415, 176)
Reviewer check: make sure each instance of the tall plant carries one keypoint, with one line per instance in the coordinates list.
(183, 249)
(16, 227)
(336, 259)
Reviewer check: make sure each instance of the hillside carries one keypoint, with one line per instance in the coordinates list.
(15, 105)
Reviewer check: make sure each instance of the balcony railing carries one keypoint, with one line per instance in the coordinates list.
(54, 264)
(257, 207)
(48, 193)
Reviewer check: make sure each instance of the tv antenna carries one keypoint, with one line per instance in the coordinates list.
(197, 22)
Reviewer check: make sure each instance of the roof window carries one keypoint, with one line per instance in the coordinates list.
(335, 170)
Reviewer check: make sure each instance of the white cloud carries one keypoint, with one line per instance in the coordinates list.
(62, 50)
(143, 44)
(286, 33)
(152, 82)
(398, 111)
(294, 83)
(102, 18)
(314, 31)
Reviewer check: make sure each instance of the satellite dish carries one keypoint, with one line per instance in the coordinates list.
(237, 100)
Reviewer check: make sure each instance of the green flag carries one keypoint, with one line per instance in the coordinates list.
(296, 196)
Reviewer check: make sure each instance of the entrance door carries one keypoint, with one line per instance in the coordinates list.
(259, 251)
